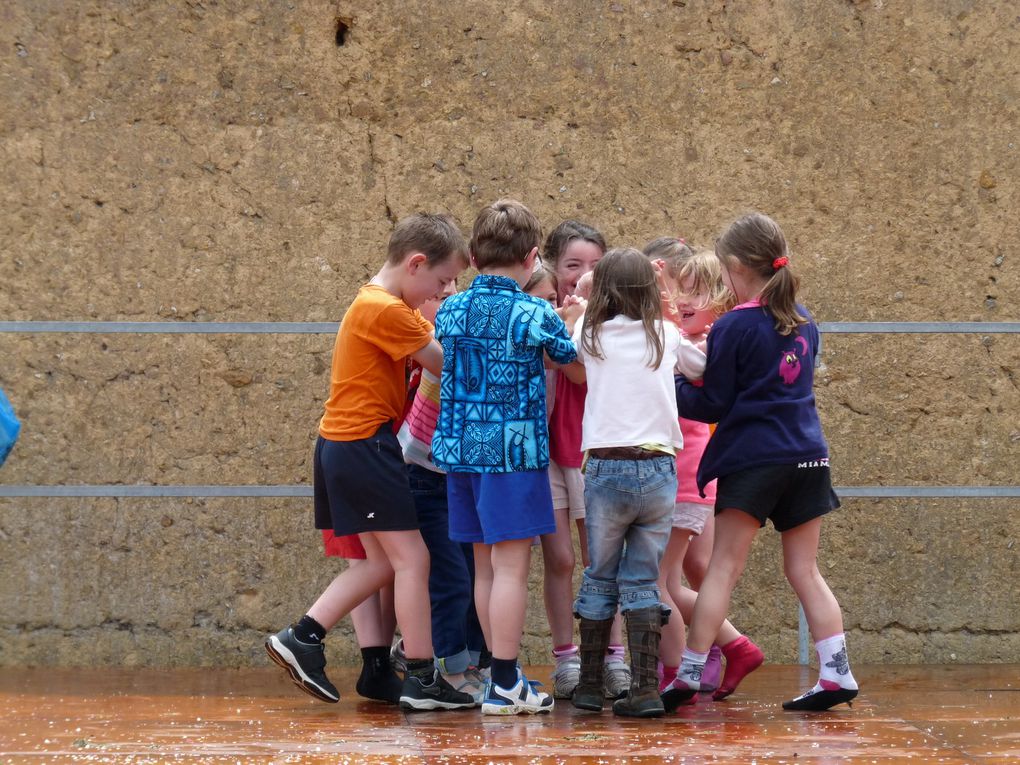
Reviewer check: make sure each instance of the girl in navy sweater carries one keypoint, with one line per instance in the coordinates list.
(768, 454)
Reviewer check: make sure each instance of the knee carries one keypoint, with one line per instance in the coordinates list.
(559, 561)
(800, 572)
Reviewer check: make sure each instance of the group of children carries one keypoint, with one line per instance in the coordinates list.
(650, 398)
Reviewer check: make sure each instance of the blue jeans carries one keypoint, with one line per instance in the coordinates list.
(628, 516)
(455, 628)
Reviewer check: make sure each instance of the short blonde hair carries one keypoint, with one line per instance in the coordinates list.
(705, 269)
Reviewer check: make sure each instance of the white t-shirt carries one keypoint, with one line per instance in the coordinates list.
(629, 403)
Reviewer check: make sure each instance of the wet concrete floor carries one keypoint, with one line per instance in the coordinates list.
(924, 714)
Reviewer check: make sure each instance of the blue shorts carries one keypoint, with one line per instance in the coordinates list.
(498, 507)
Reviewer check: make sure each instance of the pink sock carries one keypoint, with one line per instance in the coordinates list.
(742, 658)
(616, 651)
(713, 670)
(668, 674)
(564, 651)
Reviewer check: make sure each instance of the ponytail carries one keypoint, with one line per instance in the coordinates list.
(759, 244)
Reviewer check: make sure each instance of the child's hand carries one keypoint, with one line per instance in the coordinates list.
(571, 310)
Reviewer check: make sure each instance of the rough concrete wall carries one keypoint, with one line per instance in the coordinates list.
(230, 161)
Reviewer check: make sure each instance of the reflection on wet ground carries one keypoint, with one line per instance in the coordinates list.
(943, 714)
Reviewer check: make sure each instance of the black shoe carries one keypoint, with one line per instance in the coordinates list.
(439, 694)
(819, 701)
(304, 662)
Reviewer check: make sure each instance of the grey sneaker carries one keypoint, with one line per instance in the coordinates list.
(617, 678)
(304, 662)
(397, 657)
(473, 685)
(565, 676)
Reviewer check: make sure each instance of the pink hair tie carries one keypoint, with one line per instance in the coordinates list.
(780, 262)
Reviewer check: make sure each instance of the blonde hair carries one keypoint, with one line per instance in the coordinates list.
(705, 271)
(623, 283)
(758, 243)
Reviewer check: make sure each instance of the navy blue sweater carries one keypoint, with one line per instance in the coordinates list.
(758, 387)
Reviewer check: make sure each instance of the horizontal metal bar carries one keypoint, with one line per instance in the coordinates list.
(303, 490)
(173, 327)
(919, 327)
(326, 327)
(298, 490)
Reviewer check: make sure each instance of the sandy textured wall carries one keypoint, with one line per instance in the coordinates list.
(230, 161)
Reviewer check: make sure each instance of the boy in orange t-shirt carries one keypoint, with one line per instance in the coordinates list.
(361, 486)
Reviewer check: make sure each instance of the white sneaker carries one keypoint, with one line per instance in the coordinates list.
(521, 699)
(617, 678)
(565, 676)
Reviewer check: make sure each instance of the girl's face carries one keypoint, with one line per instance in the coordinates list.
(545, 290)
(695, 313)
(578, 258)
(743, 282)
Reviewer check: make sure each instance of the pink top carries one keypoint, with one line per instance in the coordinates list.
(565, 422)
(696, 435)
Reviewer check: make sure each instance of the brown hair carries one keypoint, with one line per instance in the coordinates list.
(504, 233)
(671, 250)
(540, 274)
(757, 242)
(624, 284)
(564, 234)
(705, 269)
(436, 236)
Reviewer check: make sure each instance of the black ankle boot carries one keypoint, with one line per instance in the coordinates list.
(378, 681)
(644, 629)
(594, 642)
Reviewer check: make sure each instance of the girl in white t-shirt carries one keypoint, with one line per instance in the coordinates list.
(630, 436)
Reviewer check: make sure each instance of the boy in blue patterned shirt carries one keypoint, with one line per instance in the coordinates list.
(492, 437)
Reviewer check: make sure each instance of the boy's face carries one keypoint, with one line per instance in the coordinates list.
(425, 281)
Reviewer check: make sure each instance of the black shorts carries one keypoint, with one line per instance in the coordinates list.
(788, 495)
(362, 485)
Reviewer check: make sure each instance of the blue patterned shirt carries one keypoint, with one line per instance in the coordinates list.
(492, 393)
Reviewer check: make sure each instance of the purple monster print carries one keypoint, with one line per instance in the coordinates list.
(789, 364)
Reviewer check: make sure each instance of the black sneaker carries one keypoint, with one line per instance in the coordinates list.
(304, 662)
(438, 694)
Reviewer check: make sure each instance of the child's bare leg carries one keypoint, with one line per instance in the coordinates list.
(409, 557)
(671, 581)
(483, 589)
(558, 585)
(370, 622)
(508, 601)
(582, 541)
(836, 683)
(800, 564)
(352, 586)
(735, 533)
(699, 552)
(374, 624)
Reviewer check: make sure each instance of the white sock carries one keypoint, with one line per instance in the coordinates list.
(833, 664)
(692, 664)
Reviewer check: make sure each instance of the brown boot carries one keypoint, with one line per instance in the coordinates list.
(594, 641)
(644, 628)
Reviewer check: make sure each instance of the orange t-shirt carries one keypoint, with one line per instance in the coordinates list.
(367, 382)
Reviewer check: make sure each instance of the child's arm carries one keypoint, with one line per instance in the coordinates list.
(670, 312)
(712, 401)
(574, 372)
(430, 357)
(690, 360)
(555, 339)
